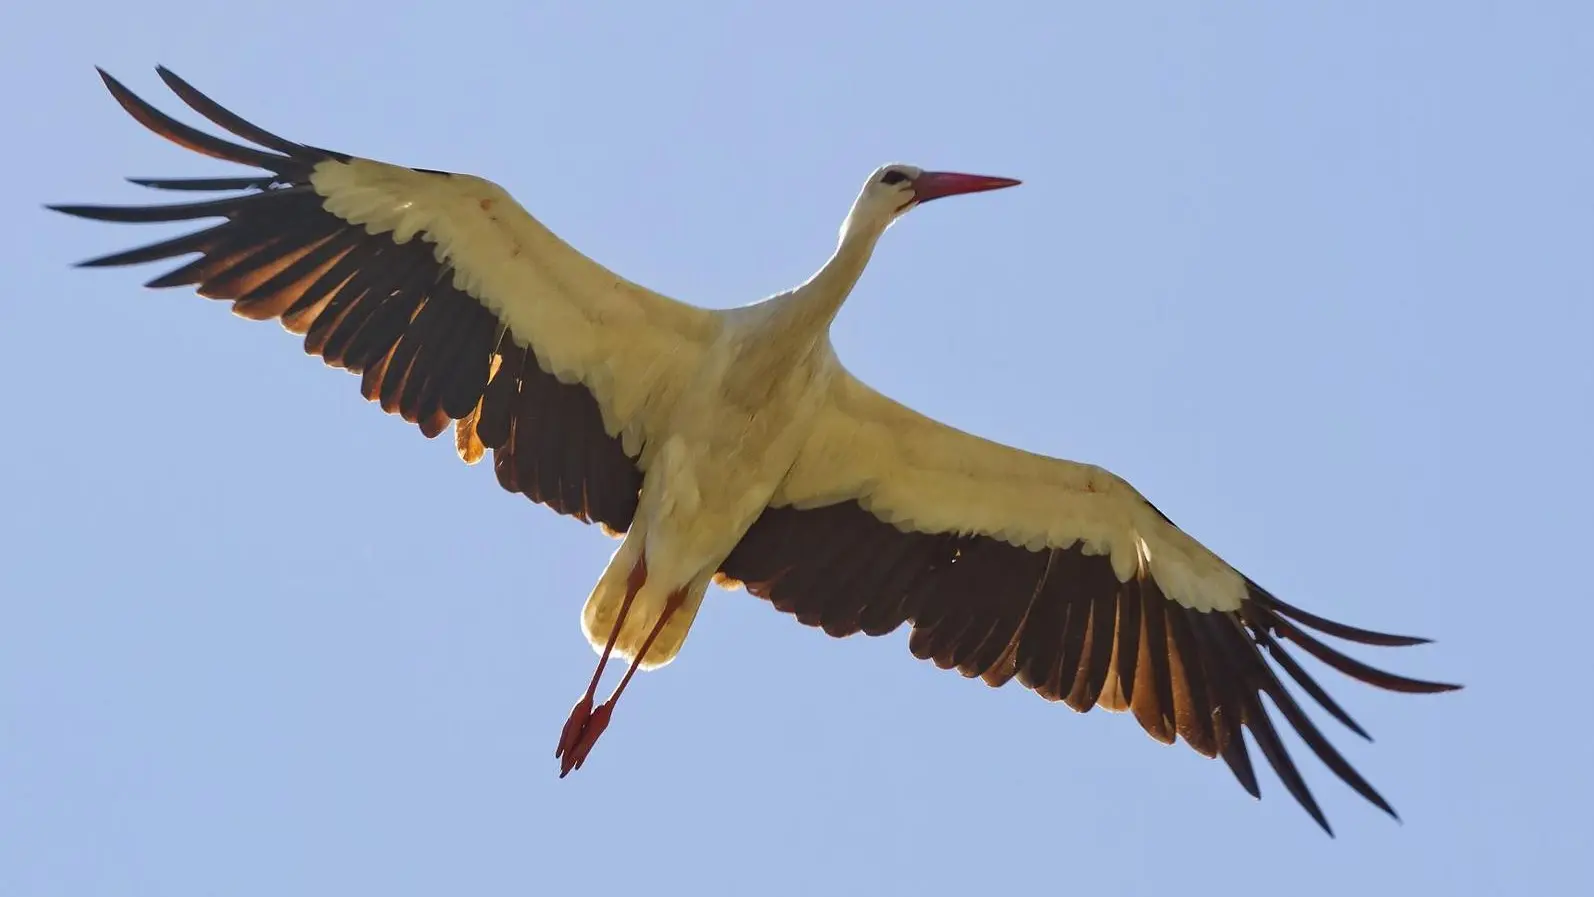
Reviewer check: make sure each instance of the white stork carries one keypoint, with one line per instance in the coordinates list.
(732, 447)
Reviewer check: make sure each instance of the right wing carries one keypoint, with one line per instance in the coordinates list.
(1007, 564)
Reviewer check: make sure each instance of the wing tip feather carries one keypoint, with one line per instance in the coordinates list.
(1326, 626)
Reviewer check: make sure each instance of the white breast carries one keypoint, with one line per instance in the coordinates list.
(731, 438)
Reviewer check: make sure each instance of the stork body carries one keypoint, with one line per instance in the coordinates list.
(729, 439)
(713, 475)
(733, 447)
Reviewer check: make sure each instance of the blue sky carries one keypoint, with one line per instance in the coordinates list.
(1316, 277)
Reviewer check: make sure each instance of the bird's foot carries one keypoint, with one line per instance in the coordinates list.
(579, 715)
(581, 732)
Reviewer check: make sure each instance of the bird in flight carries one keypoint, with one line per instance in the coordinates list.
(732, 447)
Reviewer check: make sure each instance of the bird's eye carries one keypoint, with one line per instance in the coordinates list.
(893, 177)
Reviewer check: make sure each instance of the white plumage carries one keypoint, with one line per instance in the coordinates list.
(923, 475)
(733, 446)
(629, 345)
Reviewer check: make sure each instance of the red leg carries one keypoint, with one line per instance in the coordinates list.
(598, 719)
(582, 712)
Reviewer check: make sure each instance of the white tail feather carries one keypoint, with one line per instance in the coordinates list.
(603, 606)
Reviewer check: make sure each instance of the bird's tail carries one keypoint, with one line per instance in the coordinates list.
(603, 607)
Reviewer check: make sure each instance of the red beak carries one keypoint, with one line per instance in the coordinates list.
(936, 184)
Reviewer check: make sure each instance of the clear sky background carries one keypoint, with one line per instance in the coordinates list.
(1316, 277)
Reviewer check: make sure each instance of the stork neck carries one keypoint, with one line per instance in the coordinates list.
(818, 300)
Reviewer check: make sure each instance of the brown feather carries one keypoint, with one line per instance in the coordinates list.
(1061, 623)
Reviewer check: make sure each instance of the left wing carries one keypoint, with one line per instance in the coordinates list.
(1011, 564)
(450, 300)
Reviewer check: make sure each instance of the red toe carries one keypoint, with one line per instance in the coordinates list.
(571, 733)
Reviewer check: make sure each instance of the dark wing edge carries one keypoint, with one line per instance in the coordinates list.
(386, 311)
(1060, 622)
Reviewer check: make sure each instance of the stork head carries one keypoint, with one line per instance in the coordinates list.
(894, 189)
